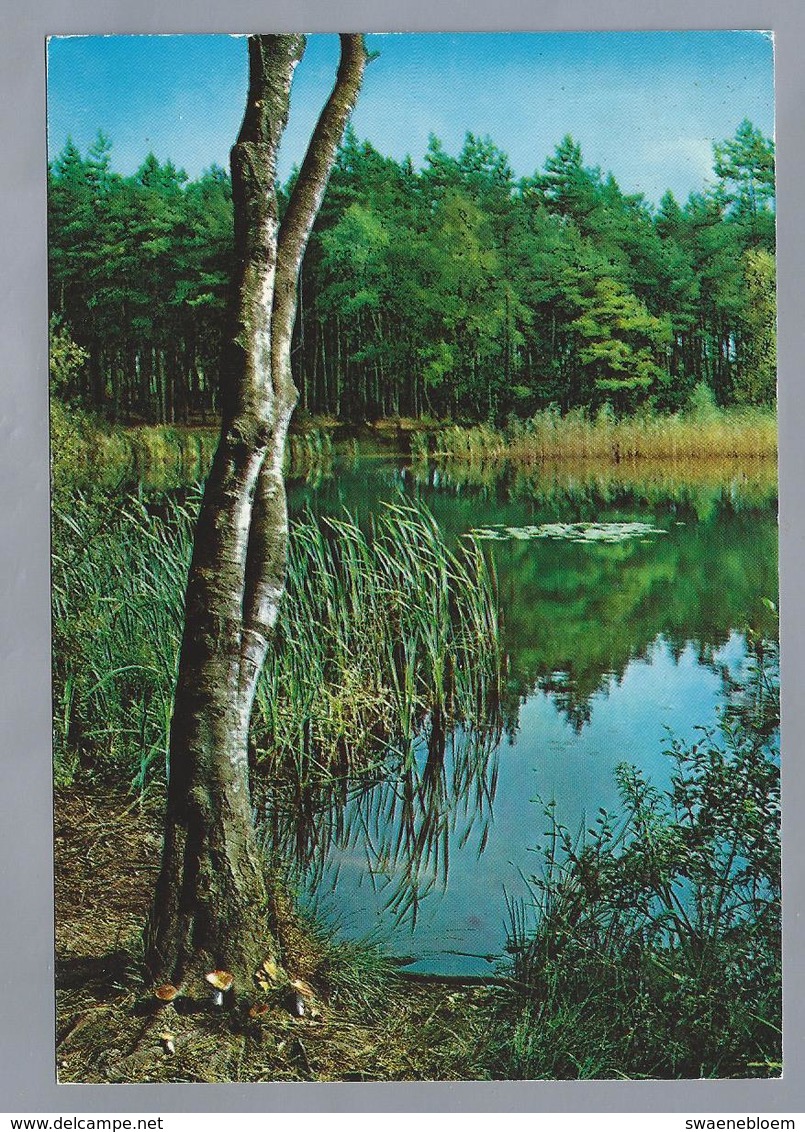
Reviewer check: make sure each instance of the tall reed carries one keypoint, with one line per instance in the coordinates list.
(118, 571)
(389, 643)
(549, 436)
(384, 633)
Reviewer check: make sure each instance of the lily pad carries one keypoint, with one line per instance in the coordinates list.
(572, 532)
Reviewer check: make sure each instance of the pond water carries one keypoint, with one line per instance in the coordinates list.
(625, 600)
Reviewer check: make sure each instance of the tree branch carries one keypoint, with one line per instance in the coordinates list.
(306, 199)
(267, 555)
(246, 383)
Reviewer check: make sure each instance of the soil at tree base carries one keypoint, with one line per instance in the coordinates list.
(107, 855)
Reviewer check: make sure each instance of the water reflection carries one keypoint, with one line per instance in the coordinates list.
(395, 829)
(575, 614)
(607, 647)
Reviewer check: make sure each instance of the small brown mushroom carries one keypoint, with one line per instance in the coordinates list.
(305, 989)
(221, 982)
(167, 992)
(168, 1041)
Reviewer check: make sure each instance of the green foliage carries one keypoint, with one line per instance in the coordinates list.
(745, 168)
(702, 403)
(450, 291)
(67, 360)
(620, 344)
(568, 188)
(139, 269)
(756, 382)
(88, 454)
(117, 581)
(650, 943)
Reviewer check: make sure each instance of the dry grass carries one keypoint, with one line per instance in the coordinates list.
(108, 1031)
(717, 434)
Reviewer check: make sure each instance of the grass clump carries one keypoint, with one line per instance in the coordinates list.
(384, 629)
(650, 945)
(703, 432)
(89, 453)
(380, 705)
(117, 577)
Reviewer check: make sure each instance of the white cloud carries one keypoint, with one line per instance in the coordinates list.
(690, 158)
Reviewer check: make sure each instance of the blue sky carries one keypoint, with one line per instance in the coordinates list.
(646, 106)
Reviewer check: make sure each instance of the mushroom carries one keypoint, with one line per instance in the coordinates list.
(296, 1004)
(167, 1040)
(305, 989)
(221, 982)
(167, 992)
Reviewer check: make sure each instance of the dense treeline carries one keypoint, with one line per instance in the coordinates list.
(139, 275)
(451, 291)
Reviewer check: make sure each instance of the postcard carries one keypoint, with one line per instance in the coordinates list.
(414, 557)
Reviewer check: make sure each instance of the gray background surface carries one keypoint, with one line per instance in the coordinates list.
(27, 1077)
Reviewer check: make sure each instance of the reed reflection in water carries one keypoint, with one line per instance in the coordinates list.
(603, 646)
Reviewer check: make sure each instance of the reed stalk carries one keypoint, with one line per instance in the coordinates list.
(718, 434)
(383, 631)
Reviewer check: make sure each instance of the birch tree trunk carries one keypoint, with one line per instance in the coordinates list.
(211, 907)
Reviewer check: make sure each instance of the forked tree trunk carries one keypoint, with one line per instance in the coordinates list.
(211, 907)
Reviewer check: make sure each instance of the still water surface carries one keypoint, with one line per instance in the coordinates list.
(611, 648)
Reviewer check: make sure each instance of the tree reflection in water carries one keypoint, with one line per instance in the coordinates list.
(575, 620)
